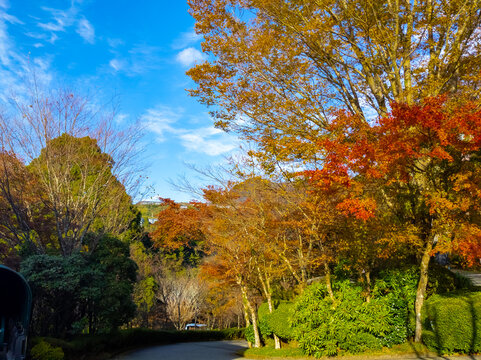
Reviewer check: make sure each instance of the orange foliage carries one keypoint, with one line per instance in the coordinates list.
(178, 224)
(363, 209)
(429, 149)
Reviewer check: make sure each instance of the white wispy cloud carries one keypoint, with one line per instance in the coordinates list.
(186, 39)
(189, 57)
(162, 121)
(60, 20)
(15, 67)
(138, 60)
(117, 64)
(86, 30)
(120, 118)
(209, 140)
(113, 43)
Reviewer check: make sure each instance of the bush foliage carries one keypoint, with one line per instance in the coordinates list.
(277, 322)
(352, 324)
(45, 351)
(70, 290)
(324, 327)
(452, 323)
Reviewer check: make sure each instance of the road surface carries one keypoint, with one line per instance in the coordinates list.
(211, 350)
(226, 350)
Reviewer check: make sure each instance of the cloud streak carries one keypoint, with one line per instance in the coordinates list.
(139, 60)
(162, 121)
(61, 21)
(14, 67)
(86, 30)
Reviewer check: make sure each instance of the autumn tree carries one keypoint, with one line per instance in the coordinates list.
(230, 242)
(179, 229)
(25, 222)
(244, 231)
(421, 164)
(279, 68)
(81, 164)
(223, 303)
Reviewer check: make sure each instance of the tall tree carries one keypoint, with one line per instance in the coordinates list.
(421, 164)
(81, 165)
(179, 230)
(25, 222)
(285, 63)
(76, 177)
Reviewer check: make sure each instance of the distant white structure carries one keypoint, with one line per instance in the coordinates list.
(196, 327)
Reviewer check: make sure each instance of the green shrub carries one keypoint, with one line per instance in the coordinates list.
(400, 286)
(442, 280)
(45, 351)
(249, 334)
(351, 324)
(276, 322)
(452, 323)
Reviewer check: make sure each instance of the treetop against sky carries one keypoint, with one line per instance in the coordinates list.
(134, 52)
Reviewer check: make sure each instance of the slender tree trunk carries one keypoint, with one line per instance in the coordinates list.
(178, 313)
(253, 315)
(257, 336)
(421, 290)
(266, 287)
(246, 314)
(327, 278)
(367, 274)
(277, 341)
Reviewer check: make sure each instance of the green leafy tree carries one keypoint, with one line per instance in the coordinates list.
(114, 305)
(78, 293)
(77, 178)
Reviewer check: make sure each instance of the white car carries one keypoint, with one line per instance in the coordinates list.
(196, 327)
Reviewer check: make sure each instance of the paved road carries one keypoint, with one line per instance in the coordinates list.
(475, 277)
(212, 350)
(226, 350)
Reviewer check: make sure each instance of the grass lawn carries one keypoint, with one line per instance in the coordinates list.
(293, 352)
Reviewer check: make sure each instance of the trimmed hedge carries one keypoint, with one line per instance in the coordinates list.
(452, 323)
(276, 322)
(103, 346)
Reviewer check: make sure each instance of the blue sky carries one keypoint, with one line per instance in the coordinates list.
(137, 51)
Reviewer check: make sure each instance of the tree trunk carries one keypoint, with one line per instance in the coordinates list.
(253, 313)
(367, 274)
(246, 312)
(327, 272)
(266, 286)
(257, 337)
(421, 291)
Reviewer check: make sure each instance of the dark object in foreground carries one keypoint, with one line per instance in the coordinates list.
(15, 310)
